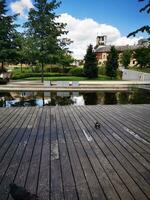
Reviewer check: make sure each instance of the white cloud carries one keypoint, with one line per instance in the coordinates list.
(84, 31)
(21, 6)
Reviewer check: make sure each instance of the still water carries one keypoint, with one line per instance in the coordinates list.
(22, 99)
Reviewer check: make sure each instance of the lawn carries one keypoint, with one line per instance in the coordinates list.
(70, 78)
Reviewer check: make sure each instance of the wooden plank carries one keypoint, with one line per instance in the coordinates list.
(80, 180)
(127, 150)
(118, 125)
(21, 149)
(132, 121)
(5, 171)
(6, 114)
(20, 177)
(57, 153)
(135, 165)
(44, 172)
(118, 162)
(99, 190)
(8, 123)
(12, 134)
(32, 177)
(111, 173)
(89, 173)
(70, 191)
(57, 190)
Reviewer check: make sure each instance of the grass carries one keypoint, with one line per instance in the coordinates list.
(70, 78)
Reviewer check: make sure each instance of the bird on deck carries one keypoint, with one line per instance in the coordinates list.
(97, 125)
(20, 193)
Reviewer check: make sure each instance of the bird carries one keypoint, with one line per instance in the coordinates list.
(97, 125)
(20, 193)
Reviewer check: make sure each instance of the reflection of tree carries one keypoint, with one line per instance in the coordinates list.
(110, 98)
(4, 96)
(60, 100)
(123, 97)
(140, 97)
(90, 98)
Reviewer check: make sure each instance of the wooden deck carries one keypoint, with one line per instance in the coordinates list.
(57, 153)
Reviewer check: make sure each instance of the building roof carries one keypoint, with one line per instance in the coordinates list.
(107, 48)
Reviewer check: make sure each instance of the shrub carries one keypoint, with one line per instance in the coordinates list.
(101, 70)
(52, 68)
(37, 69)
(28, 75)
(77, 71)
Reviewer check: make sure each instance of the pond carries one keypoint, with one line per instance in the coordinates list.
(23, 99)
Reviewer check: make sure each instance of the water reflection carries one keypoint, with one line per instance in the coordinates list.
(136, 96)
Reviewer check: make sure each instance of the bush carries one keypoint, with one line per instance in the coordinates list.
(77, 71)
(37, 69)
(28, 75)
(101, 70)
(52, 68)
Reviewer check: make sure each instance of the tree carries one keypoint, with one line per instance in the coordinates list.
(65, 59)
(142, 56)
(125, 58)
(90, 65)
(8, 45)
(112, 63)
(145, 28)
(44, 30)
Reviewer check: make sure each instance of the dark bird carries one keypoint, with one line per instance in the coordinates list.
(97, 125)
(20, 193)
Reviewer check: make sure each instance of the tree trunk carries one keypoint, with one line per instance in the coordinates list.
(21, 68)
(2, 66)
(42, 73)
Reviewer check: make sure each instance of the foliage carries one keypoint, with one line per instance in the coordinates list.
(76, 71)
(112, 63)
(125, 58)
(28, 75)
(90, 65)
(142, 56)
(65, 59)
(145, 28)
(44, 30)
(8, 45)
(101, 70)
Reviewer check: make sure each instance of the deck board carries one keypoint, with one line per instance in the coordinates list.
(57, 153)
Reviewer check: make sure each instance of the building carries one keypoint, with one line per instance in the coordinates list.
(102, 49)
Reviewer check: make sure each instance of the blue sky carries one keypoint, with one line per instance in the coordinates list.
(88, 18)
(123, 14)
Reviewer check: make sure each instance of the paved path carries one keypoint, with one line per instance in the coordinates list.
(83, 86)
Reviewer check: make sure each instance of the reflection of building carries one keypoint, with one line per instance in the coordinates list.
(102, 49)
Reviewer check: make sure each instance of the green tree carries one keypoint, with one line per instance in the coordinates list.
(65, 60)
(125, 58)
(90, 64)
(145, 28)
(112, 63)
(44, 30)
(8, 45)
(142, 56)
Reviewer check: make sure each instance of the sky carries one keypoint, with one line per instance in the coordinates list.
(86, 19)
